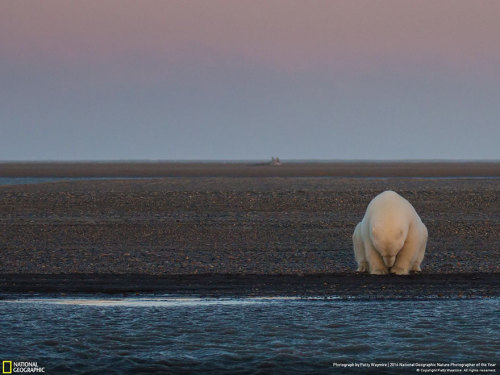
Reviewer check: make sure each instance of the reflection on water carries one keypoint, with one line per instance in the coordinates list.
(156, 301)
(256, 335)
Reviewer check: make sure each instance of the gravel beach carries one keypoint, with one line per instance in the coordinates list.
(291, 226)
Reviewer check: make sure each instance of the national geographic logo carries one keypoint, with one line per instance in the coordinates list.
(11, 367)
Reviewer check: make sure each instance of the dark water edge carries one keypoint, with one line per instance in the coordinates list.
(416, 168)
(166, 335)
(347, 285)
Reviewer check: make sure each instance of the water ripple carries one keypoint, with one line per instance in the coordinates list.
(257, 335)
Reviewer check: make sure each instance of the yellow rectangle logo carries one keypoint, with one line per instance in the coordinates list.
(7, 367)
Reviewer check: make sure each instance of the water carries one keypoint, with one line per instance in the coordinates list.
(28, 180)
(252, 335)
(40, 180)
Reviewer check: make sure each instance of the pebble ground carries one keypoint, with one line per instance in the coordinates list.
(235, 225)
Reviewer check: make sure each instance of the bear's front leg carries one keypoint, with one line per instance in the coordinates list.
(375, 263)
(402, 264)
(399, 270)
(409, 254)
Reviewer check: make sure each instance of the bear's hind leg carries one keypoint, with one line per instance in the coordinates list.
(416, 267)
(359, 249)
(423, 243)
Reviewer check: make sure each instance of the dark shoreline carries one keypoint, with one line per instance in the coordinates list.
(253, 169)
(467, 285)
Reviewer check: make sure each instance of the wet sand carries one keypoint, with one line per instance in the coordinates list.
(282, 232)
(463, 285)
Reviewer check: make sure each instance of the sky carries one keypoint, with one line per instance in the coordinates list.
(249, 79)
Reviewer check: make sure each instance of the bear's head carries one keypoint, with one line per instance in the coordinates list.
(388, 241)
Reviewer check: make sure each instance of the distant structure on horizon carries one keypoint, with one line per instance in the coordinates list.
(275, 161)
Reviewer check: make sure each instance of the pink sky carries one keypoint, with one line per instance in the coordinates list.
(312, 74)
(284, 34)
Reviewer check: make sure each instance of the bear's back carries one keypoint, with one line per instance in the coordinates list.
(389, 204)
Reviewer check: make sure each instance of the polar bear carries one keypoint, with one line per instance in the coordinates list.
(390, 238)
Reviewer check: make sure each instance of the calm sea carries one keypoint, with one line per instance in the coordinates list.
(38, 180)
(166, 335)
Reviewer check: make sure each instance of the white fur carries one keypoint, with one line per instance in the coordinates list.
(390, 238)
